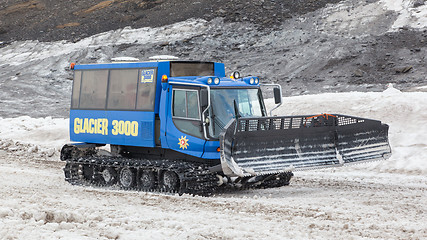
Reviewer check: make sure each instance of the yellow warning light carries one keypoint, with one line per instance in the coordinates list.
(164, 78)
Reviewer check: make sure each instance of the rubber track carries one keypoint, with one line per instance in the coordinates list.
(194, 179)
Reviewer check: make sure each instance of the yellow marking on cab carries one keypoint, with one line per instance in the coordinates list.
(127, 128)
(183, 142)
(91, 125)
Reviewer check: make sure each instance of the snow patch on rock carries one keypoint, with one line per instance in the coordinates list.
(410, 13)
(39, 51)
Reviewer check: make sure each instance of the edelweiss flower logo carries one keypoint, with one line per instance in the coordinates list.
(183, 142)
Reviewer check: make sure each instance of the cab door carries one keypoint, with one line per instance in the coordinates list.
(185, 132)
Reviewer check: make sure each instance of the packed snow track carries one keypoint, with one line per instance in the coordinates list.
(344, 204)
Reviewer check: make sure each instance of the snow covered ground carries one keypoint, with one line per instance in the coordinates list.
(381, 200)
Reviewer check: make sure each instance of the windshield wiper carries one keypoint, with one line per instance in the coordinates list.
(218, 121)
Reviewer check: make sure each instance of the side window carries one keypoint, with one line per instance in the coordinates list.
(179, 105)
(186, 104)
(122, 89)
(94, 89)
(146, 89)
(192, 104)
(76, 89)
(186, 112)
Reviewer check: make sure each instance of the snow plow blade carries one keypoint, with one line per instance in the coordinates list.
(270, 145)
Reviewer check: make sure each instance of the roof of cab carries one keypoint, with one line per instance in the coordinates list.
(164, 66)
(223, 82)
(117, 65)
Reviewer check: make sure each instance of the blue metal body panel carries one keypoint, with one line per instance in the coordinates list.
(132, 128)
(164, 112)
(224, 82)
(210, 150)
(137, 128)
(119, 65)
(173, 138)
(219, 69)
(192, 145)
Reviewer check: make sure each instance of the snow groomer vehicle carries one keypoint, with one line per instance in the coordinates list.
(184, 127)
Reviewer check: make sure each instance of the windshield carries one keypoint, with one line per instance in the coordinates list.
(247, 101)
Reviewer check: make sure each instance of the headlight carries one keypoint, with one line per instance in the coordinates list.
(251, 81)
(256, 80)
(216, 81)
(209, 80)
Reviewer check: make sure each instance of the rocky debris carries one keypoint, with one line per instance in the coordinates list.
(358, 73)
(25, 149)
(67, 20)
(418, 3)
(404, 69)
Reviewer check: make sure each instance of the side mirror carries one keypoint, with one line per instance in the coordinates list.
(235, 75)
(204, 98)
(277, 95)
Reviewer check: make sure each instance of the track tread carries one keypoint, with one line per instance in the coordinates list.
(195, 179)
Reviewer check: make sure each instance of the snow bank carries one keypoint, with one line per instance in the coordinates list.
(404, 112)
(41, 136)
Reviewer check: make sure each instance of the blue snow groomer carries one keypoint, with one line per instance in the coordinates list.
(183, 126)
